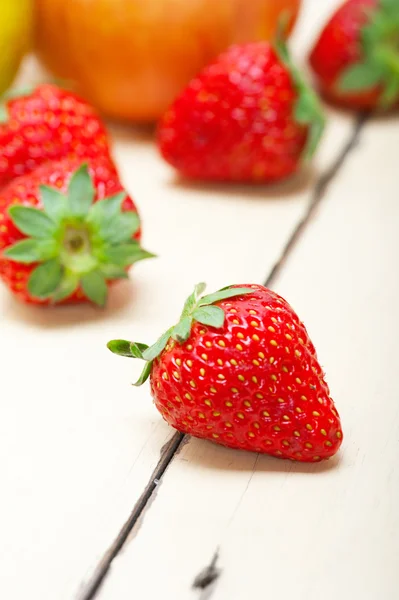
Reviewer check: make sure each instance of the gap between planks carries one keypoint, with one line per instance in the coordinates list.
(210, 573)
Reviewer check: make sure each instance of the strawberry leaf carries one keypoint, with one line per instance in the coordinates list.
(55, 203)
(308, 110)
(181, 331)
(95, 288)
(199, 288)
(111, 271)
(210, 315)
(128, 349)
(125, 254)
(120, 347)
(156, 349)
(193, 298)
(66, 288)
(31, 250)
(137, 349)
(105, 209)
(80, 192)
(121, 228)
(45, 279)
(144, 374)
(390, 6)
(379, 66)
(390, 93)
(32, 221)
(224, 295)
(359, 77)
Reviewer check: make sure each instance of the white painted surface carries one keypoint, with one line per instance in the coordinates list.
(77, 443)
(296, 531)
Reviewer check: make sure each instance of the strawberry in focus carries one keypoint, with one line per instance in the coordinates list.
(356, 58)
(48, 123)
(247, 117)
(67, 231)
(239, 369)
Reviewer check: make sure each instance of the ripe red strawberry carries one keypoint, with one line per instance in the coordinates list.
(48, 123)
(356, 59)
(66, 231)
(239, 369)
(246, 117)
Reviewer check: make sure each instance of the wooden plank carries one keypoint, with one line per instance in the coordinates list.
(285, 530)
(78, 446)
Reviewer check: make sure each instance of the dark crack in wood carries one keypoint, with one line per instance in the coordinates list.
(319, 191)
(90, 589)
(208, 575)
(205, 580)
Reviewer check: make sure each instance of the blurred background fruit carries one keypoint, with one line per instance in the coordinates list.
(15, 37)
(131, 57)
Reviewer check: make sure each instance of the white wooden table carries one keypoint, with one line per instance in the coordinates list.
(96, 487)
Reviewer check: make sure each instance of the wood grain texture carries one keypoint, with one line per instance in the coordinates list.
(285, 530)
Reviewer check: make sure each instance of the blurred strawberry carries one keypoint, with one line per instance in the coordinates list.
(248, 116)
(67, 231)
(48, 123)
(356, 59)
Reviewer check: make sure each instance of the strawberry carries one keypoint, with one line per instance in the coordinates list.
(66, 231)
(48, 123)
(246, 117)
(356, 58)
(239, 369)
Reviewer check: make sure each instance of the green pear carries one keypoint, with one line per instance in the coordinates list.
(15, 37)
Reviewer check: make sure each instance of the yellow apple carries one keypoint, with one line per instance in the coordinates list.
(15, 35)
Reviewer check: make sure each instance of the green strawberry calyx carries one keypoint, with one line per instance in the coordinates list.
(77, 243)
(379, 66)
(307, 110)
(196, 308)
